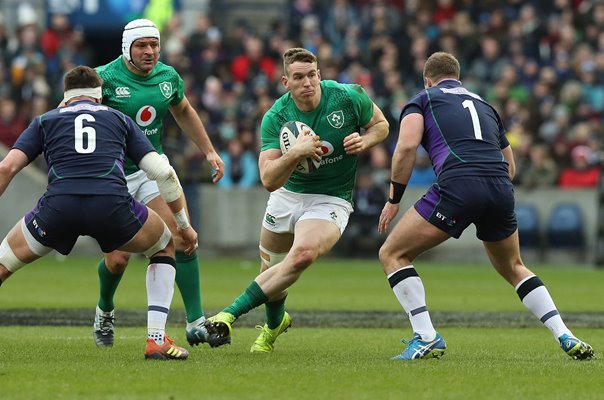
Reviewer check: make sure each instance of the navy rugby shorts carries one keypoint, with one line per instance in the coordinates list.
(57, 221)
(486, 202)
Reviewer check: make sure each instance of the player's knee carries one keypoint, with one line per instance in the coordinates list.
(386, 254)
(165, 243)
(303, 256)
(117, 262)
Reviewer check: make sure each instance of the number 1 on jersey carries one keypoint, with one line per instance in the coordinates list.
(469, 104)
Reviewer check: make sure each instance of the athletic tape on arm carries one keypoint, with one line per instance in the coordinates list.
(159, 169)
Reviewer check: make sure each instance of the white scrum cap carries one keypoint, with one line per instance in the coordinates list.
(139, 28)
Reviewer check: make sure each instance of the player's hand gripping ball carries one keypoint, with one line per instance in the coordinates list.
(287, 138)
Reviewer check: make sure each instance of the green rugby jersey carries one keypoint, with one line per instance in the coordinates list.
(144, 98)
(343, 109)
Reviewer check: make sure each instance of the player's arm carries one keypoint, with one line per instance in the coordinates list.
(27, 147)
(508, 155)
(376, 132)
(10, 166)
(276, 168)
(410, 136)
(189, 121)
(159, 169)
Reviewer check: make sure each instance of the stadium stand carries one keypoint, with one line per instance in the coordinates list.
(529, 228)
(565, 227)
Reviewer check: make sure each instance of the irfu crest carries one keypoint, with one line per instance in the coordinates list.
(336, 119)
(166, 89)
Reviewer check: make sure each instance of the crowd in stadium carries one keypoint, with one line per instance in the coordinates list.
(541, 64)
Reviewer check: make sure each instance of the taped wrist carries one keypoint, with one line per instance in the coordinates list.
(182, 222)
(396, 192)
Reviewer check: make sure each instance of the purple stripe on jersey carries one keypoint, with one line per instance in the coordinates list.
(426, 205)
(433, 141)
(140, 210)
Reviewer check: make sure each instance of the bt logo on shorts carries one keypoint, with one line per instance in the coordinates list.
(122, 91)
(445, 219)
(146, 115)
(41, 232)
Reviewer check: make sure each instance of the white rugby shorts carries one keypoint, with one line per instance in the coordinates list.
(285, 208)
(142, 188)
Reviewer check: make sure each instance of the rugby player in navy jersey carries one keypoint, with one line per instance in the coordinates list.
(473, 161)
(85, 144)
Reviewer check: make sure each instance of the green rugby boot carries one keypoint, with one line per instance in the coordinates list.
(221, 324)
(205, 332)
(265, 343)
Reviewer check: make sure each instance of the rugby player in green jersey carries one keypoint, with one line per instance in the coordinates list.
(145, 89)
(306, 213)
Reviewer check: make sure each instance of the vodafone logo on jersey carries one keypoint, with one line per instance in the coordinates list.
(146, 115)
(326, 147)
(327, 151)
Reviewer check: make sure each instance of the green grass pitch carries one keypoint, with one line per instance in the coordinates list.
(347, 323)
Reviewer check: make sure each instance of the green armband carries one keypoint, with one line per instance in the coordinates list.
(396, 192)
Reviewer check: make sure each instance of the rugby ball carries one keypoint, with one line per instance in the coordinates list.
(287, 138)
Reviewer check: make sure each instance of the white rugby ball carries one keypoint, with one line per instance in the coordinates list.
(287, 138)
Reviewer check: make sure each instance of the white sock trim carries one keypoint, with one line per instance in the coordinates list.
(400, 269)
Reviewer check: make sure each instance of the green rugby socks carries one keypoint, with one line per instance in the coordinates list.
(248, 300)
(108, 283)
(188, 282)
(275, 311)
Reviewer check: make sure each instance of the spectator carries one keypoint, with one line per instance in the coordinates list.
(253, 62)
(542, 172)
(11, 123)
(53, 38)
(241, 166)
(580, 174)
(541, 64)
(489, 65)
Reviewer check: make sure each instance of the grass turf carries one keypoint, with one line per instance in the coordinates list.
(309, 363)
(328, 285)
(501, 363)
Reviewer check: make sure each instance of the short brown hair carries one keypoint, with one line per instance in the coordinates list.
(297, 54)
(441, 65)
(81, 77)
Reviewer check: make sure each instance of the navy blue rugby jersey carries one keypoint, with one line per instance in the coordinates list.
(463, 134)
(84, 145)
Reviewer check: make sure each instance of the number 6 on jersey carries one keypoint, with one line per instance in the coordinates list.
(80, 130)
